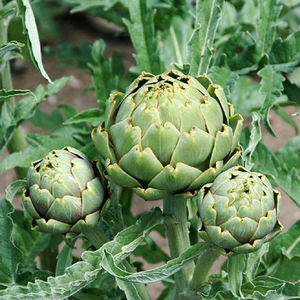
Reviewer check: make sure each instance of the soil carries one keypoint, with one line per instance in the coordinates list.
(72, 95)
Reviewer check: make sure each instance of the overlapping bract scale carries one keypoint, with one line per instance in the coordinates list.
(168, 135)
(239, 211)
(63, 193)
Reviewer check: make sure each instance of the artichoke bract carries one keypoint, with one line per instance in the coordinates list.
(239, 211)
(63, 194)
(168, 135)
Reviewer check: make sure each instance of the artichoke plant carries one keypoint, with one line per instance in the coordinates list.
(239, 211)
(168, 135)
(63, 193)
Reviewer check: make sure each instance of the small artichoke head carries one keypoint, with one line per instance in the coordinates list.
(239, 211)
(168, 135)
(63, 192)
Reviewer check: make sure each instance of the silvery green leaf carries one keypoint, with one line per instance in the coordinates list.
(86, 271)
(266, 30)
(208, 14)
(143, 36)
(236, 268)
(29, 27)
(271, 88)
(156, 274)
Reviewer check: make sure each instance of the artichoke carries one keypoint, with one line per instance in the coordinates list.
(168, 135)
(239, 211)
(63, 194)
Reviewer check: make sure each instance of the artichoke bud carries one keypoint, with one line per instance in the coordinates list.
(239, 211)
(168, 135)
(64, 193)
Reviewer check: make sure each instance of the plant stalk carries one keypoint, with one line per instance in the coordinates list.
(203, 266)
(178, 237)
(48, 259)
(17, 142)
(96, 236)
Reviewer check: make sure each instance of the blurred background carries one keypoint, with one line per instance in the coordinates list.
(68, 29)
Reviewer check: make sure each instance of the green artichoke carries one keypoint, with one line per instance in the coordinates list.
(168, 135)
(63, 194)
(239, 211)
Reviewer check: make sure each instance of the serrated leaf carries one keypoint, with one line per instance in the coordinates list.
(287, 244)
(249, 12)
(285, 55)
(143, 37)
(30, 29)
(156, 274)
(266, 27)
(289, 269)
(208, 14)
(265, 287)
(82, 5)
(224, 77)
(288, 179)
(217, 288)
(39, 147)
(246, 97)
(84, 272)
(271, 88)
(103, 78)
(91, 115)
(228, 18)
(10, 46)
(289, 153)
(13, 189)
(245, 61)
(11, 117)
(174, 42)
(6, 94)
(10, 254)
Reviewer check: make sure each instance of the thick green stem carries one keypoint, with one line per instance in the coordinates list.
(17, 142)
(178, 237)
(125, 198)
(48, 259)
(203, 266)
(96, 236)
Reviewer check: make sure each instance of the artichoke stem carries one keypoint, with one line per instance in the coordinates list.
(203, 266)
(178, 237)
(95, 235)
(48, 259)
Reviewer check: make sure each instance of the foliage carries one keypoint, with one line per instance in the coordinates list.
(251, 48)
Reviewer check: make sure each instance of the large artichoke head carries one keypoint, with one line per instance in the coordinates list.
(63, 193)
(239, 211)
(168, 135)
